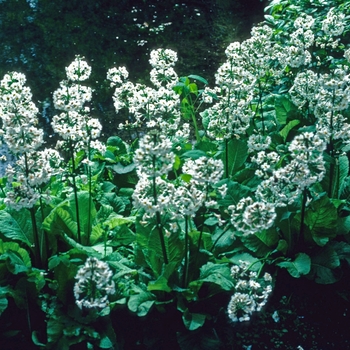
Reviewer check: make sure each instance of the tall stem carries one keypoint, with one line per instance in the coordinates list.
(187, 252)
(159, 222)
(300, 239)
(75, 192)
(90, 197)
(37, 251)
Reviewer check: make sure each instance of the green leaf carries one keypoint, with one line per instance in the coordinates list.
(341, 174)
(142, 302)
(285, 131)
(194, 154)
(122, 169)
(218, 274)
(300, 266)
(284, 109)
(17, 226)
(3, 301)
(321, 219)
(199, 78)
(193, 321)
(237, 153)
(117, 142)
(323, 264)
(235, 192)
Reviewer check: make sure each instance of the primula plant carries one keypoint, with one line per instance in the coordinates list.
(211, 193)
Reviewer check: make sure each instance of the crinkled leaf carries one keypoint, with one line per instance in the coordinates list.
(321, 219)
(323, 265)
(141, 303)
(17, 226)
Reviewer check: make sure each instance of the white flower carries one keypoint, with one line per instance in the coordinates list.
(94, 284)
(78, 70)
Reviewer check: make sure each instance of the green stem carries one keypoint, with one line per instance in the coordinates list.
(75, 192)
(37, 251)
(226, 159)
(187, 252)
(300, 239)
(159, 221)
(90, 196)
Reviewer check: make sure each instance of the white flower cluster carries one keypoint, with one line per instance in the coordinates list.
(74, 124)
(155, 193)
(296, 53)
(250, 217)
(327, 96)
(163, 61)
(152, 108)
(251, 293)
(33, 168)
(94, 284)
(306, 168)
(19, 115)
(334, 23)
(238, 82)
(154, 156)
(78, 70)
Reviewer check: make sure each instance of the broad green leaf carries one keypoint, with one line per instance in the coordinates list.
(116, 141)
(341, 174)
(17, 258)
(3, 301)
(194, 154)
(323, 265)
(123, 236)
(122, 169)
(235, 192)
(219, 274)
(60, 221)
(17, 226)
(193, 321)
(86, 218)
(111, 199)
(285, 131)
(284, 109)
(321, 219)
(299, 266)
(199, 78)
(237, 153)
(141, 303)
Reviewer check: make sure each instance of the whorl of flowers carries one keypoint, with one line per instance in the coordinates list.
(78, 70)
(154, 156)
(334, 23)
(144, 195)
(19, 115)
(94, 284)
(163, 73)
(251, 292)
(204, 170)
(250, 217)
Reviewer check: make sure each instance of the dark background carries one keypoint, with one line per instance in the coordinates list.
(40, 38)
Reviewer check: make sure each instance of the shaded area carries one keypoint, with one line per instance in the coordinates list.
(40, 38)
